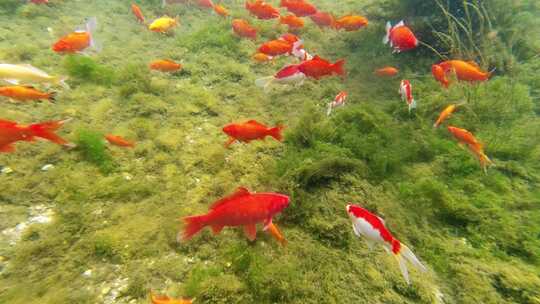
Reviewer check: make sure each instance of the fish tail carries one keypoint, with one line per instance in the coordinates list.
(52, 96)
(484, 161)
(194, 224)
(62, 81)
(338, 67)
(91, 27)
(436, 124)
(46, 130)
(386, 38)
(404, 255)
(264, 82)
(276, 132)
(329, 109)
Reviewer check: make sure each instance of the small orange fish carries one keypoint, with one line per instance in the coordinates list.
(205, 3)
(24, 93)
(292, 21)
(465, 137)
(274, 231)
(137, 12)
(119, 141)
(262, 10)
(446, 113)
(276, 47)
(440, 75)
(12, 132)
(300, 8)
(165, 65)
(351, 23)
(387, 72)
(243, 29)
(220, 10)
(77, 41)
(249, 131)
(163, 299)
(261, 57)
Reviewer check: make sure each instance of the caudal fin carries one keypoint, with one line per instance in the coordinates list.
(276, 132)
(412, 105)
(264, 82)
(329, 109)
(386, 38)
(46, 130)
(61, 80)
(91, 27)
(338, 67)
(52, 97)
(194, 224)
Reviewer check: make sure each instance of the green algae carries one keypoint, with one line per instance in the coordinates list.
(477, 233)
(85, 69)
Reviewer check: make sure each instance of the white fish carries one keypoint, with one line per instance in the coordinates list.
(25, 73)
(338, 102)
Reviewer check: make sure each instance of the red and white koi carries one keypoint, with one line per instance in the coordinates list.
(372, 228)
(405, 90)
(339, 101)
(288, 75)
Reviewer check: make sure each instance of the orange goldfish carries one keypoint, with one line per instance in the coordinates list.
(274, 231)
(300, 8)
(261, 57)
(119, 141)
(137, 12)
(440, 75)
(262, 10)
(465, 137)
(400, 37)
(445, 114)
(163, 299)
(220, 10)
(387, 72)
(276, 47)
(165, 65)
(79, 40)
(292, 21)
(24, 93)
(351, 23)
(249, 131)
(243, 29)
(464, 70)
(11, 132)
(241, 208)
(323, 19)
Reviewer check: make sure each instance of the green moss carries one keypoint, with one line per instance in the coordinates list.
(93, 149)
(84, 69)
(134, 78)
(9, 6)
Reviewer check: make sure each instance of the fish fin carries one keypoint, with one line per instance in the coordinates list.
(275, 132)
(265, 83)
(338, 67)
(408, 255)
(370, 244)
(381, 219)
(62, 81)
(91, 27)
(316, 57)
(240, 191)
(400, 23)
(250, 231)
(12, 81)
(403, 267)
(386, 38)
(254, 122)
(216, 229)
(267, 224)
(29, 86)
(229, 142)
(194, 224)
(33, 68)
(52, 97)
(356, 231)
(473, 64)
(7, 148)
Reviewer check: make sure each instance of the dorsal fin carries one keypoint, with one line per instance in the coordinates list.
(316, 57)
(7, 122)
(29, 86)
(254, 122)
(240, 191)
(473, 64)
(33, 68)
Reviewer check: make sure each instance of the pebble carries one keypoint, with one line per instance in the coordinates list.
(5, 170)
(127, 176)
(47, 167)
(87, 273)
(105, 290)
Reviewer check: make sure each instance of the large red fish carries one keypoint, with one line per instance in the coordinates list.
(11, 132)
(318, 67)
(250, 130)
(464, 70)
(77, 41)
(373, 230)
(243, 29)
(300, 8)
(400, 37)
(262, 10)
(241, 208)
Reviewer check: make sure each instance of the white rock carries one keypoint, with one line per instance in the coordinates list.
(87, 273)
(6, 170)
(47, 167)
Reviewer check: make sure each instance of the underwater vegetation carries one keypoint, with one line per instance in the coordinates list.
(113, 234)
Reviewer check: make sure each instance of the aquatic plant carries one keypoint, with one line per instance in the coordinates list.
(9, 6)
(84, 69)
(134, 78)
(94, 150)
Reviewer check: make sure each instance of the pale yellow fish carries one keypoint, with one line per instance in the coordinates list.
(163, 24)
(27, 74)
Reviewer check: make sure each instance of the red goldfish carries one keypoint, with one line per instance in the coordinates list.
(351, 23)
(137, 12)
(288, 75)
(11, 132)
(77, 41)
(300, 8)
(386, 72)
(276, 47)
(373, 230)
(290, 38)
(205, 3)
(119, 141)
(292, 21)
(241, 208)
(464, 70)
(274, 231)
(163, 299)
(446, 113)
(318, 67)
(249, 131)
(338, 102)
(323, 19)
(243, 29)
(401, 37)
(220, 10)
(262, 10)
(405, 90)
(24, 93)
(165, 65)
(465, 137)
